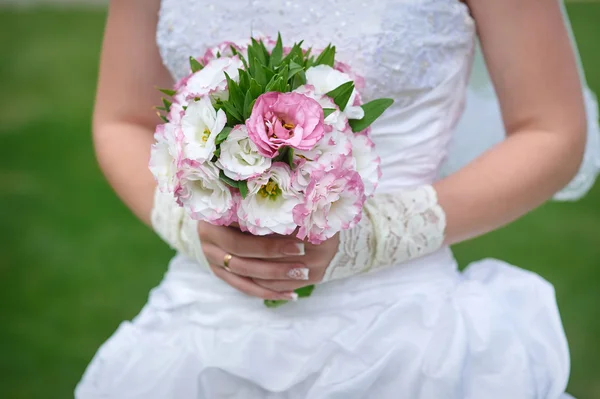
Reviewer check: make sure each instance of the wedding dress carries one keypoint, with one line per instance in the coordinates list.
(418, 330)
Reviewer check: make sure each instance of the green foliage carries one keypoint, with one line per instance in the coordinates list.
(373, 110)
(195, 65)
(341, 94)
(241, 185)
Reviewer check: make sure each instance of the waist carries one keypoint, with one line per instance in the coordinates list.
(192, 288)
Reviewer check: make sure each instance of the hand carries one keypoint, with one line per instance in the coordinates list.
(267, 267)
(252, 257)
(317, 258)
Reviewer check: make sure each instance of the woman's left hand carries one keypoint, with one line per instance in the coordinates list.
(317, 258)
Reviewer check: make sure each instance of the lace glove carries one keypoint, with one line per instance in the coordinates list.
(395, 228)
(177, 229)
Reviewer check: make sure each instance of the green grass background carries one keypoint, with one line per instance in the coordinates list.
(74, 262)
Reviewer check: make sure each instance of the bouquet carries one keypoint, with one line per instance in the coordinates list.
(269, 137)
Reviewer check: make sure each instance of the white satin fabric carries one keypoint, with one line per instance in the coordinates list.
(420, 330)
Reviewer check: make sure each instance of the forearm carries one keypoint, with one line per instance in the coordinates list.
(508, 181)
(123, 151)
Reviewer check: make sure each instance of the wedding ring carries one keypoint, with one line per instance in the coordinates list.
(226, 260)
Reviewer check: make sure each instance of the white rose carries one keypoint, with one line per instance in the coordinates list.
(201, 124)
(211, 79)
(203, 195)
(240, 159)
(366, 162)
(164, 155)
(324, 79)
(268, 206)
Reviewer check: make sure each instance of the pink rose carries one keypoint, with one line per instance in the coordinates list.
(285, 119)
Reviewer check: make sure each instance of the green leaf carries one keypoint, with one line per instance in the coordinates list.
(161, 109)
(341, 94)
(255, 88)
(276, 84)
(167, 104)
(305, 291)
(244, 80)
(327, 56)
(274, 304)
(289, 158)
(373, 110)
(164, 118)
(195, 65)
(232, 113)
(216, 154)
(168, 92)
(243, 187)
(308, 60)
(295, 54)
(236, 97)
(294, 69)
(298, 80)
(282, 154)
(222, 136)
(328, 111)
(277, 53)
(248, 104)
(227, 180)
(259, 74)
(260, 52)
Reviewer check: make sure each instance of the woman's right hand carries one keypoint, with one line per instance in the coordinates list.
(253, 257)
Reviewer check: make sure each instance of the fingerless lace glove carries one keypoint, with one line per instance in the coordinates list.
(395, 228)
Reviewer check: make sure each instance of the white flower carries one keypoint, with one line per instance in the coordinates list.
(201, 124)
(324, 79)
(203, 195)
(337, 119)
(335, 142)
(240, 159)
(211, 79)
(164, 156)
(268, 206)
(366, 161)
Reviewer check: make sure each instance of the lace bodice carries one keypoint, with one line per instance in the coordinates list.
(417, 52)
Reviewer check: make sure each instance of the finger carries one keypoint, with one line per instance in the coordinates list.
(233, 241)
(257, 268)
(281, 285)
(249, 287)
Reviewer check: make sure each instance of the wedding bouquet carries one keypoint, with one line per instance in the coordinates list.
(271, 138)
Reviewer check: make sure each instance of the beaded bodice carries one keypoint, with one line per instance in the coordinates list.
(417, 52)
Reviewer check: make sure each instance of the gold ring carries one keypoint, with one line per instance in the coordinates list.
(226, 260)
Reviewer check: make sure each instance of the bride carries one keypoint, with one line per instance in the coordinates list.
(391, 317)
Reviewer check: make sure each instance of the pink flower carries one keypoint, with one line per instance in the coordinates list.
(285, 119)
(333, 202)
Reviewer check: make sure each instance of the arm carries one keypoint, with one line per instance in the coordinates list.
(124, 120)
(533, 68)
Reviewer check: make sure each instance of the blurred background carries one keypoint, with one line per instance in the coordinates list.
(74, 262)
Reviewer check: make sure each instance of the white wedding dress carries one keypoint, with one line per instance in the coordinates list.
(419, 330)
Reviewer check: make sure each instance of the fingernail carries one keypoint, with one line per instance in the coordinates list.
(294, 248)
(292, 296)
(300, 273)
